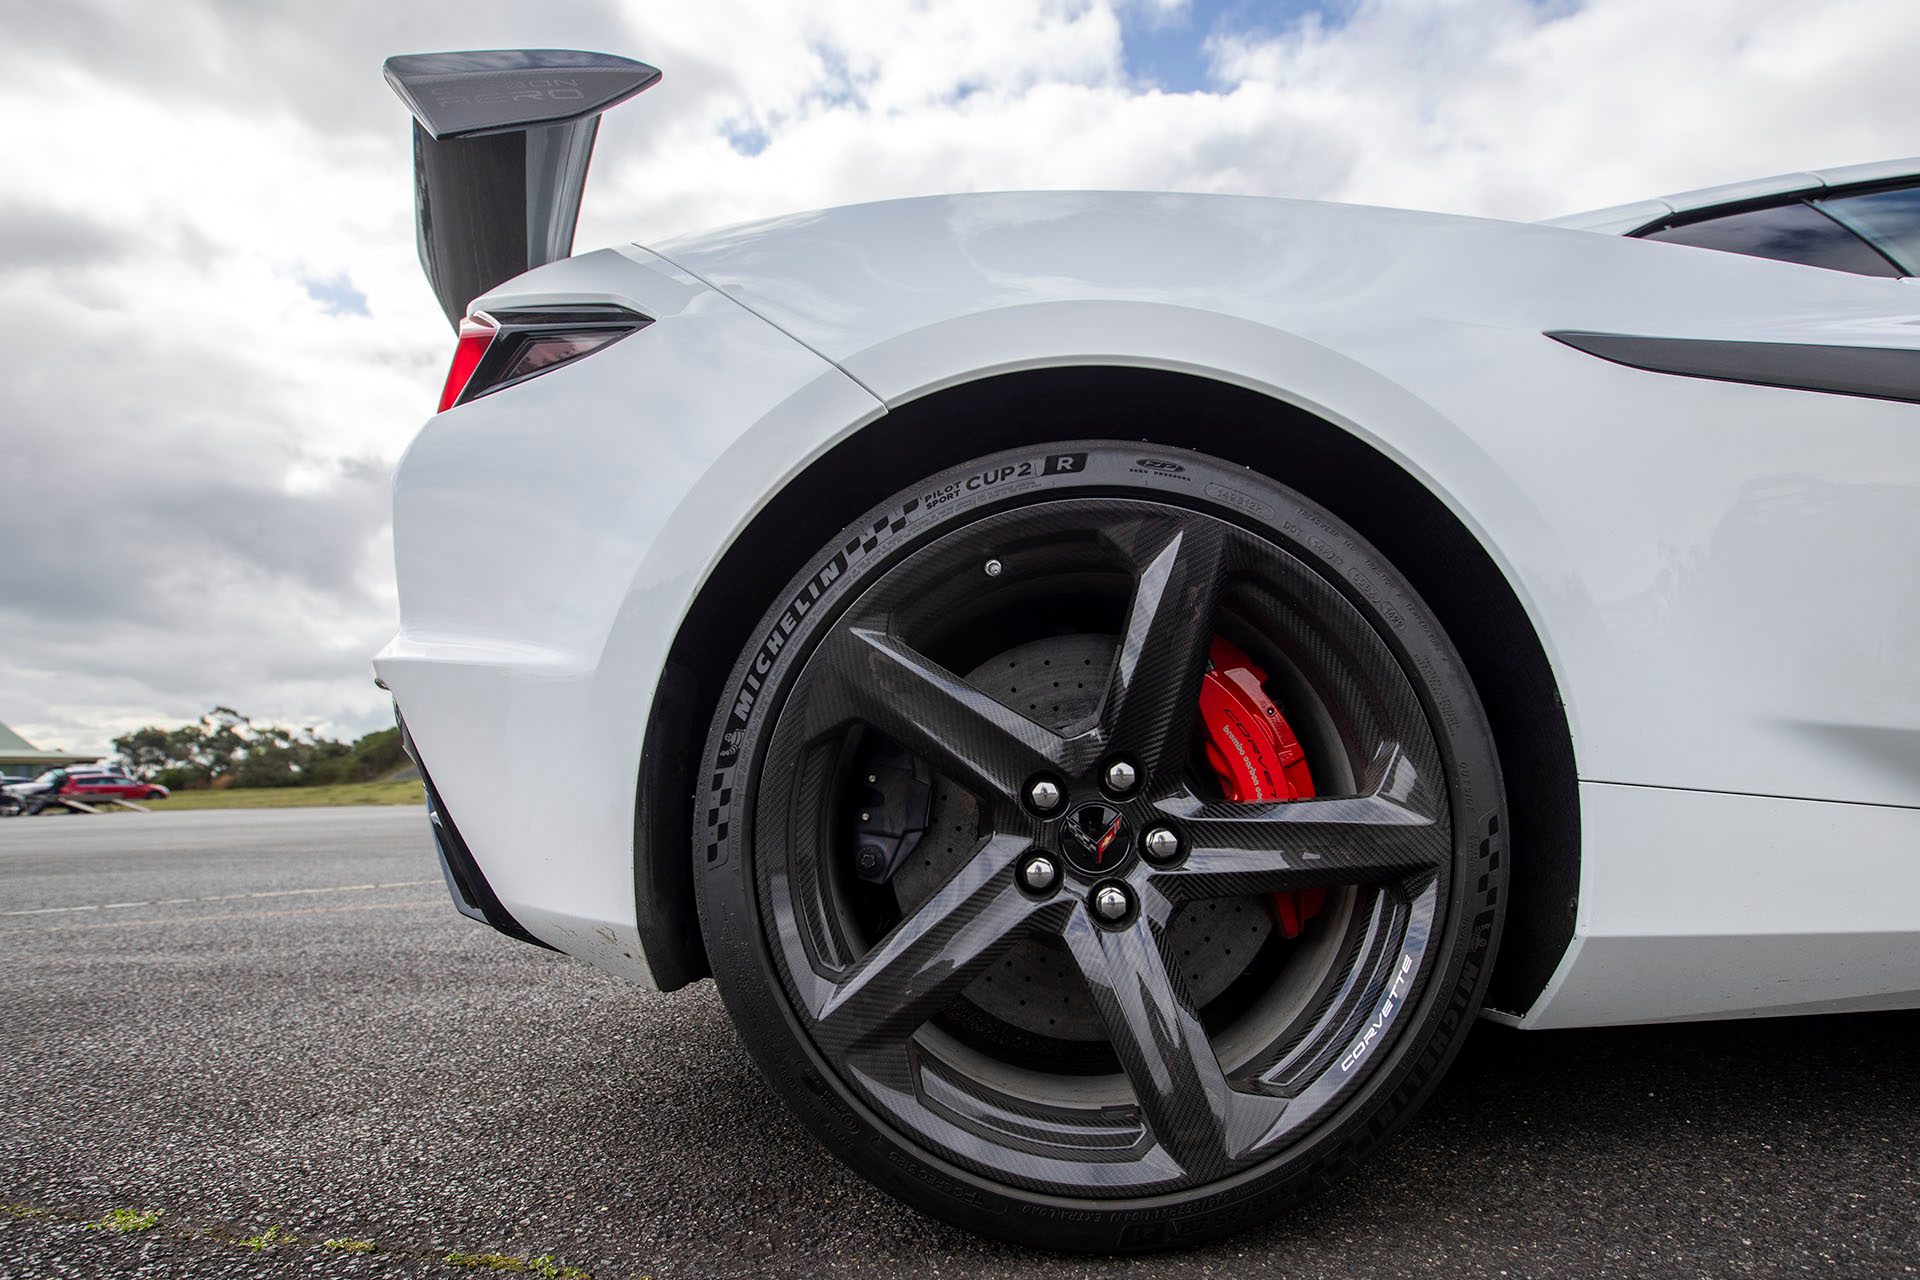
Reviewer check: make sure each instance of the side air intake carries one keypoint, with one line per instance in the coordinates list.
(501, 141)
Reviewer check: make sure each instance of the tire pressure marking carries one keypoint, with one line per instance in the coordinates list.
(1396, 995)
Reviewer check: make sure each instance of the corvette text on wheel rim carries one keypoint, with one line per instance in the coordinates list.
(1061, 967)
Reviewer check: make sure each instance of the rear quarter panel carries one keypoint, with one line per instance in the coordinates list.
(1723, 575)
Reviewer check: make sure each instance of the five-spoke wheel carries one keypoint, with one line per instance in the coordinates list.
(999, 906)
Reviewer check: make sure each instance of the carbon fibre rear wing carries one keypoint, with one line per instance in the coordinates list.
(501, 141)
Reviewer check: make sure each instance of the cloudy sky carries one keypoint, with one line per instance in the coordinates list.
(217, 340)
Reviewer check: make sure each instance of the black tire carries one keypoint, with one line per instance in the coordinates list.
(1241, 1090)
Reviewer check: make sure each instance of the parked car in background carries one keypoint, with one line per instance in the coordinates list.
(87, 785)
(111, 784)
(34, 795)
(40, 782)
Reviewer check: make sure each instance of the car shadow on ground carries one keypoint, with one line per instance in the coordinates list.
(1722, 1147)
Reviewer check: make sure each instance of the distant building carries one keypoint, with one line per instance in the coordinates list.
(17, 755)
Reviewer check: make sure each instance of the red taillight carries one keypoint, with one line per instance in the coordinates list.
(476, 334)
(505, 348)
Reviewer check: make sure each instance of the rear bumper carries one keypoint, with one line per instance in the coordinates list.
(548, 540)
(472, 895)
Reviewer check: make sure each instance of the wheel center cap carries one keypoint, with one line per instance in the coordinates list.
(1096, 839)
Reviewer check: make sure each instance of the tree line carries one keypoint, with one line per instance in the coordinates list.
(226, 749)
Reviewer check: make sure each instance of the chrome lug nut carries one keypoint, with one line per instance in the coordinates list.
(1111, 903)
(1160, 844)
(1038, 874)
(1044, 795)
(1121, 777)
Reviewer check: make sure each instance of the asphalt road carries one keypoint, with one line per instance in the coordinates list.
(275, 1020)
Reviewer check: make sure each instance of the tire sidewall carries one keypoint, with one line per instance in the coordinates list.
(1400, 1076)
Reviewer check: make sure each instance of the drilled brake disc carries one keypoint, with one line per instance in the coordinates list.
(1033, 989)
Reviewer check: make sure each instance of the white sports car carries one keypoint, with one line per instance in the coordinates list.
(1110, 685)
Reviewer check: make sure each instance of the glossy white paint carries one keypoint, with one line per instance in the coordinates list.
(1701, 905)
(542, 543)
(1780, 184)
(1873, 171)
(1614, 220)
(1723, 576)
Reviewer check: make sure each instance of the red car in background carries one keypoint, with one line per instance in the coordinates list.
(84, 785)
(105, 784)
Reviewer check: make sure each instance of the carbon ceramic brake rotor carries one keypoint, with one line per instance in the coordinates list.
(1034, 988)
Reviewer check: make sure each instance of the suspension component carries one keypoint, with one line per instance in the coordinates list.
(1254, 753)
(890, 808)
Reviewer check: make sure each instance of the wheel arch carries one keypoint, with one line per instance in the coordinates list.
(1374, 494)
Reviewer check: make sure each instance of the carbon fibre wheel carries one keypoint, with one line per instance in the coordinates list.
(1026, 938)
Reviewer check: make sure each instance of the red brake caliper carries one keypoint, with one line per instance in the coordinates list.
(1253, 752)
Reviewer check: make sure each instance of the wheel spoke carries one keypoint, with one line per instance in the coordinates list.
(965, 733)
(1163, 649)
(1188, 1104)
(1236, 849)
(926, 959)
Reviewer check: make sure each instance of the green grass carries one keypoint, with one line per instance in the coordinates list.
(269, 1238)
(293, 797)
(125, 1220)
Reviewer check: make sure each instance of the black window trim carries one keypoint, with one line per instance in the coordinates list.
(1812, 197)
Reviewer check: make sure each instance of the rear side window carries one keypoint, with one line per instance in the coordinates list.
(1889, 220)
(1790, 233)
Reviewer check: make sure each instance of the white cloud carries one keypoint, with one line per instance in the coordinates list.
(202, 422)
